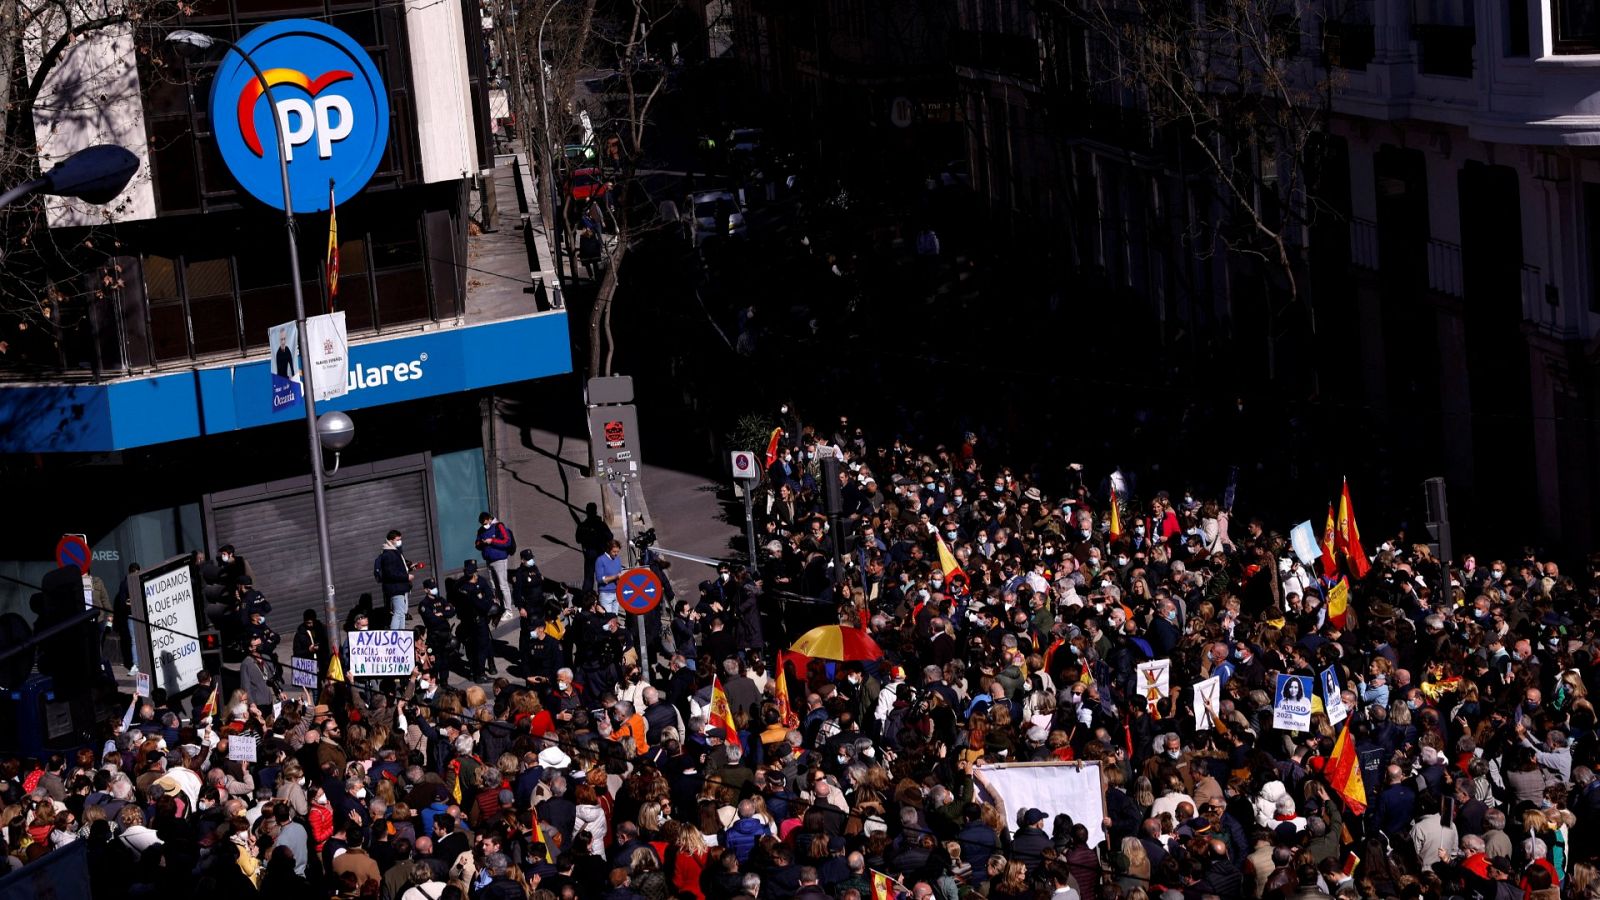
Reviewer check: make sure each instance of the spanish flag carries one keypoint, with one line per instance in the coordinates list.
(772, 446)
(882, 886)
(333, 248)
(720, 716)
(780, 688)
(1339, 603)
(335, 669)
(533, 822)
(1348, 536)
(1116, 516)
(1330, 558)
(212, 704)
(948, 565)
(1344, 772)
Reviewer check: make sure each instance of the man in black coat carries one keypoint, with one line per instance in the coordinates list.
(473, 602)
(1029, 844)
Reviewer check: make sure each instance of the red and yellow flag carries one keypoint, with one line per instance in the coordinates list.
(882, 886)
(1116, 516)
(780, 688)
(1344, 772)
(1339, 603)
(210, 709)
(533, 822)
(335, 669)
(720, 715)
(772, 446)
(333, 248)
(1348, 536)
(947, 564)
(1330, 558)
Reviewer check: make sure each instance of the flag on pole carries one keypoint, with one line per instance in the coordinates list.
(772, 446)
(333, 248)
(1116, 516)
(1339, 603)
(210, 709)
(1330, 559)
(720, 716)
(882, 886)
(947, 564)
(1348, 536)
(1344, 772)
(533, 821)
(335, 670)
(780, 688)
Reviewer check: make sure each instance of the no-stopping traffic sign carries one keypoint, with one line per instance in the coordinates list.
(638, 591)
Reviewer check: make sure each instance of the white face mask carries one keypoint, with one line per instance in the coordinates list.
(361, 794)
(397, 543)
(723, 576)
(1122, 560)
(528, 563)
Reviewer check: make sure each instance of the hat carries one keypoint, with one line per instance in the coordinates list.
(1031, 494)
(720, 734)
(428, 584)
(553, 758)
(1501, 863)
(168, 786)
(468, 567)
(1032, 816)
(897, 672)
(244, 580)
(527, 553)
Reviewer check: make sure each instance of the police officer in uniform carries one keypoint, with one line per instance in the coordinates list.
(527, 595)
(260, 629)
(599, 652)
(541, 656)
(474, 600)
(437, 611)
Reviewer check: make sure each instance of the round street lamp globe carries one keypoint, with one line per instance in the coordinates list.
(336, 430)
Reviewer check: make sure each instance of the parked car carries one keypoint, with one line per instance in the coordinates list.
(713, 214)
(587, 184)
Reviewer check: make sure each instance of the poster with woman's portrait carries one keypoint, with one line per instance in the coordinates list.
(1291, 705)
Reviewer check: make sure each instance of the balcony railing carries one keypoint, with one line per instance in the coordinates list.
(1444, 268)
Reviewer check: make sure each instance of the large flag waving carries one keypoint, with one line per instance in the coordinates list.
(1116, 515)
(780, 690)
(720, 716)
(772, 446)
(947, 564)
(1348, 536)
(1330, 559)
(1344, 772)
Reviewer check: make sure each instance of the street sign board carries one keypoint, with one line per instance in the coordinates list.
(614, 439)
(744, 465)
(639, 590)
(73, 550)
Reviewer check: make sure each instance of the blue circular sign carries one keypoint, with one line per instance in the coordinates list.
(331, 105)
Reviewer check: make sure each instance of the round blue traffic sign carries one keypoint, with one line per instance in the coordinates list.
(330, 103)
(638, 591)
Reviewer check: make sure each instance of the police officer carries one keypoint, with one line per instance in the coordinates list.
(437, 611)
(542, 656)
(527, 595)
(260, 629)
(599, 652)
(474, 601)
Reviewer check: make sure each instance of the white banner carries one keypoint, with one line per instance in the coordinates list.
(169, 600)
(1155, 680)
(330, 355)
(1207, 702)
(1291, 705)
(1062, 788)
(302, 672)
(1333, 696)
(382, 653)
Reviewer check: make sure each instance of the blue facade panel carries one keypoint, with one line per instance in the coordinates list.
(142, 411)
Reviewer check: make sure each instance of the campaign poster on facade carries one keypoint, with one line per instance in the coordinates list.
(379, 654)
(330, 356)
(284, 341)
(1207, 700)
(1332, 695)
(1291, 705)
(1155, 679)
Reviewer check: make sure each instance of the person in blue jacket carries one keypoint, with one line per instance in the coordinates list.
(496, 544)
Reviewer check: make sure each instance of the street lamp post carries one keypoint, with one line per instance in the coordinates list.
(95, 174)
(554, 149)
(318, 480)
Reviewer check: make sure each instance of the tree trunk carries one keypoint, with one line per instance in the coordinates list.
(599, 317)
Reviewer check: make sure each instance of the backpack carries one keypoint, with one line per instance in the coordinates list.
(511, 539)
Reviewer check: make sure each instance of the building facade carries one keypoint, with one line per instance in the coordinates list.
(139, 412)
(1448, 254)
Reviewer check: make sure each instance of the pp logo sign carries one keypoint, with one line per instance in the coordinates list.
(322, 94)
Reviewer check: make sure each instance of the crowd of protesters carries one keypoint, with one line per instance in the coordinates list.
(583, 771)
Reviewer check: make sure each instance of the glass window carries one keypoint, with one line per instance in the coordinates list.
(169, 332)
(1577, 26)
(172, 162)
(355, 291)
(212, 312)
(402, 297)
(160, 278)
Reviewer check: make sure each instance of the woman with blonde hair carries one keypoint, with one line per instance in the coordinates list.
(1133, 864)
(1013, 883)
(683, 861)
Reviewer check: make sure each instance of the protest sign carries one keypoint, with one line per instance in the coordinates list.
(242, 748)
(1291, 705)
(1332, 696)
(1155, 679)
(303, 672)
(1207, 698)
(377, 654)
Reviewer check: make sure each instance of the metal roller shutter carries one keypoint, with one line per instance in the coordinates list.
(277, 535)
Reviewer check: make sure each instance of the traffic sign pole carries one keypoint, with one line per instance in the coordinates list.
(750, 523)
